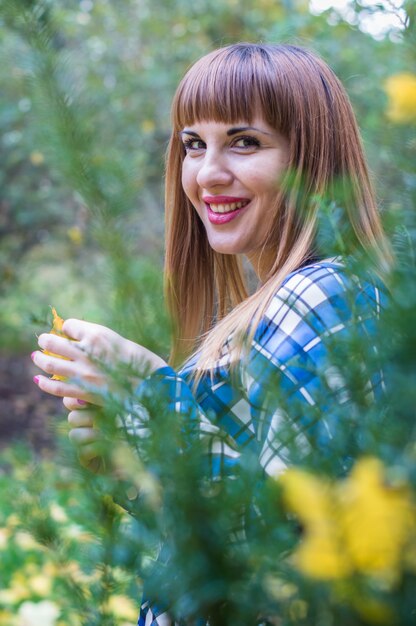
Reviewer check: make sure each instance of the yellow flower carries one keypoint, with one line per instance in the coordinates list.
(73, 571)
(26, 541)
(41, 585)
(377, 519)
(148, 126)
(6, 618)
(4, 538)
(75, 235)
(401, 91)
(278, 588)
(360, 524)
(318, 555)
(122, 607)
(52, 569)
(14, 594)
(13, 521)
(36, 158)
(307, 496)
(78, 533)
(298, 610)
(58, 513)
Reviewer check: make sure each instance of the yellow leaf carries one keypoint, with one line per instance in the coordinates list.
(56, 329)
(57, 324)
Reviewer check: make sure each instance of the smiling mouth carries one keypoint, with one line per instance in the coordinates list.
(228, 207)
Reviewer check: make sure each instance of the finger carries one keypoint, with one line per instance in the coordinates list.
(82, 436)
(61, 345)
(64, 389)
(96, 341)
(78, 329)
(52, 364)
(82, 419)
(75, 404)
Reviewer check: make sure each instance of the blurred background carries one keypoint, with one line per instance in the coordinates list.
(115, 68)
(84, 121)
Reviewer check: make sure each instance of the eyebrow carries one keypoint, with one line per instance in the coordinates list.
(241, 129)
(188, 132)
(230, 132)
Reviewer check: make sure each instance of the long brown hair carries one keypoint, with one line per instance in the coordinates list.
(300, 96)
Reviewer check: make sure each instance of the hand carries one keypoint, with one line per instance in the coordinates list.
(89, 356)
(95, 449)
(86, 437)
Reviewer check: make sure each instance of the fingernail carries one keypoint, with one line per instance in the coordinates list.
(82, 402)
(36, 380)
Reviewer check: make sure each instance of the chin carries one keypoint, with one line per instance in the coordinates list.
(223, 245)
(224, 249)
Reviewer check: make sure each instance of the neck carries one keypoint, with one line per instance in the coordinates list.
(262, 262)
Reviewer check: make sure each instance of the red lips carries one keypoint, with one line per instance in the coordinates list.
(223, 199)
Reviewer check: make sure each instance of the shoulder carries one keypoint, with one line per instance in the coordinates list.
(325, 285)
(311, 286)
(317, 299)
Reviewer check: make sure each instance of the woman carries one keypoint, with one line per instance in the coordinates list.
(263, 137)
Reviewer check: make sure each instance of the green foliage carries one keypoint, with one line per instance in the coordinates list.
(85, 119)
(62, 544)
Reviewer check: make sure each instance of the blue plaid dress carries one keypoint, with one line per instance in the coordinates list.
(289, 351)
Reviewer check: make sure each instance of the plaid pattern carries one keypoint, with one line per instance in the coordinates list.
(288, 355)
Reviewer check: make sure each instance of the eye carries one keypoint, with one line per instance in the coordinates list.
(191, 144)
(246, 143)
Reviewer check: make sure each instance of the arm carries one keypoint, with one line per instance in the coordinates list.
(90, 355)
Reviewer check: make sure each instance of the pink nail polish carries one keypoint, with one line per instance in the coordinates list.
(36, 380)
(81, 402)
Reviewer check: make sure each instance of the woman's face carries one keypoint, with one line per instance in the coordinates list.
(231, 174)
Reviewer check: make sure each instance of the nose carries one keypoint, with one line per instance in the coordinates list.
(214, 171)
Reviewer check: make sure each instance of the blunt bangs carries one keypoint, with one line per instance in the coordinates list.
(229, 85)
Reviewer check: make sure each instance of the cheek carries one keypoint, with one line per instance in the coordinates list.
(269, 184)
(260, 177)
(188, 180)
(263, 186)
